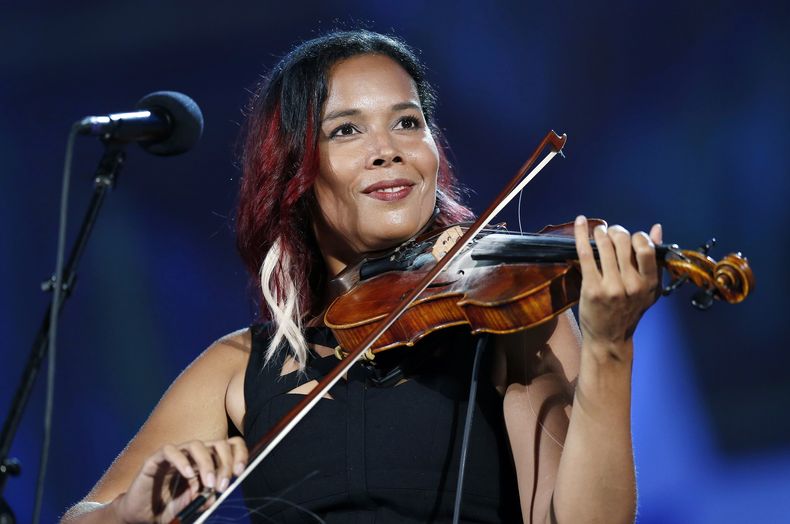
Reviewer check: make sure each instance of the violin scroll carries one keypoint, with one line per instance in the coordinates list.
(730, 279)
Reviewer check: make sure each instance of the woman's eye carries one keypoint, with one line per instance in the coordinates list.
(408, 122)
(344, 130)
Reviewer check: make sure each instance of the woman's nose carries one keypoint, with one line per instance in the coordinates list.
(384, 152)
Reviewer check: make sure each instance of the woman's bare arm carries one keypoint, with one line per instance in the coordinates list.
(577, 465)
(193, 412)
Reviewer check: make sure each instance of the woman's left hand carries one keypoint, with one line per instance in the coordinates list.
(616, 291)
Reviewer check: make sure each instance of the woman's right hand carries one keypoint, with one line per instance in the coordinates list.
(174, 475)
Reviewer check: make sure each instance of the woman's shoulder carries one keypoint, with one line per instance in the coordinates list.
(234, 344)
(238, 345)
(221, 361)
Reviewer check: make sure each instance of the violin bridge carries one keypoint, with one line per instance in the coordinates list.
(445, 242)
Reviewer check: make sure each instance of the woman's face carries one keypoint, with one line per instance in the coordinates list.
(378, 161)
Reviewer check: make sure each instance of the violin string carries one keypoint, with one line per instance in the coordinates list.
(542, 427)
(520, 228)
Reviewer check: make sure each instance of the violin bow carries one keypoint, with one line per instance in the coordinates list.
(278, 432)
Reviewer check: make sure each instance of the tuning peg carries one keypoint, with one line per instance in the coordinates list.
(673, 285)
(704, 248)
(703, 299)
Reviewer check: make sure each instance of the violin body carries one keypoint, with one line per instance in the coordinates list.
(488, 297)
(544, 291)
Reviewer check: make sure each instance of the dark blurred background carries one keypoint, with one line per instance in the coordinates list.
(676, 112)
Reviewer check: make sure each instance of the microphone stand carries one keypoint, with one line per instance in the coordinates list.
(106, 173)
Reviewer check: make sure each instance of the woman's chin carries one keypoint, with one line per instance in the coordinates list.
(399, 227)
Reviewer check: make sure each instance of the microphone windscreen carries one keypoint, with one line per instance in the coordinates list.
(186, 122)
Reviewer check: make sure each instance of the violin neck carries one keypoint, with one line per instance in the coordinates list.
(514, 249)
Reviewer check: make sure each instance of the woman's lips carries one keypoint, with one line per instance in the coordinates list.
(389, 190)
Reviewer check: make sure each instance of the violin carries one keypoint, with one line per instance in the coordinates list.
(502, 282)
(492, 280)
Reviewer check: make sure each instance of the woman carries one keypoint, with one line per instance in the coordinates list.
(342, 158)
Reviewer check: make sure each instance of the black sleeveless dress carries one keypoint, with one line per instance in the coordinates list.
(377, 451)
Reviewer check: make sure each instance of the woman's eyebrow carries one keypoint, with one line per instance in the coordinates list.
(406, 105)
(340, 113)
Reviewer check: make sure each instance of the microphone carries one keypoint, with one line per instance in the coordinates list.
(164, 123)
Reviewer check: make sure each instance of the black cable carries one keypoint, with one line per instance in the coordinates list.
(53, 324)
(470, 410)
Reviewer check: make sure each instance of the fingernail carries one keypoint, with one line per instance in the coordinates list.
(601, 228)
(223, 484)
(190, 472)
(580, 220)
(210, 480)
(238, 469)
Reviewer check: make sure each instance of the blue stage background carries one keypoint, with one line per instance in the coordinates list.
(676, 112)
